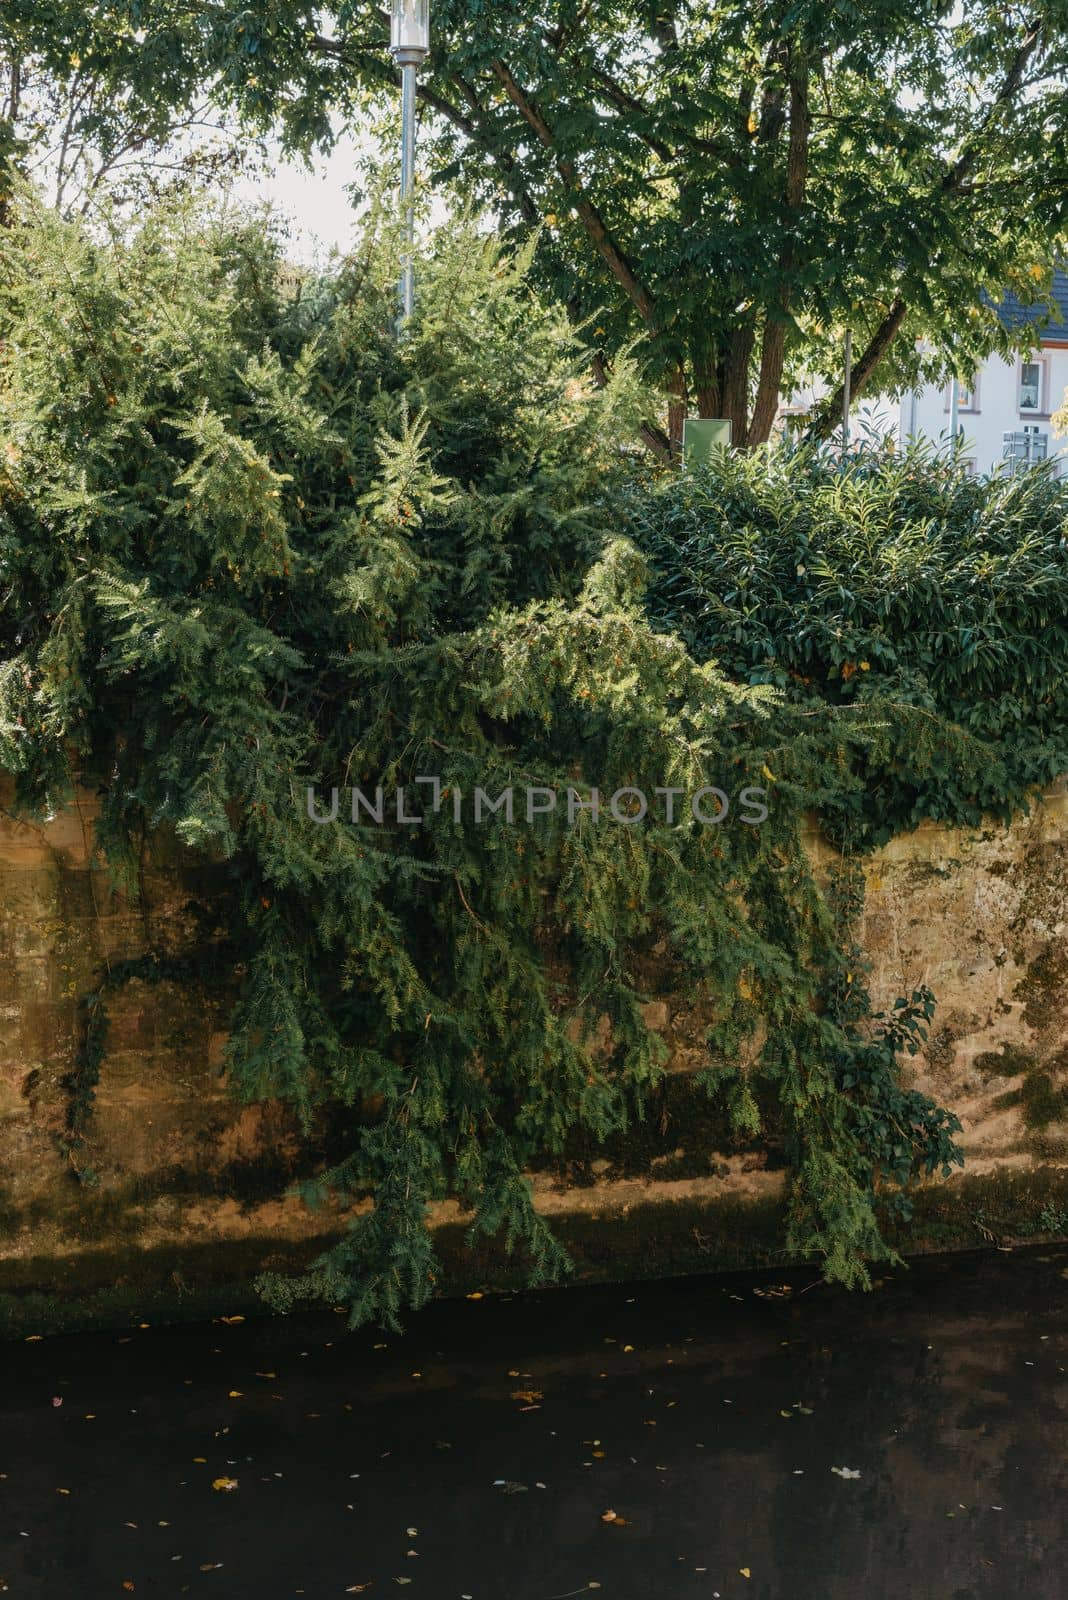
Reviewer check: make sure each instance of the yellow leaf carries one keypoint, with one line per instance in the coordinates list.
(766, 770)
(227, 1485)
(744, 1571)
(477, 1295)
(235, 1394)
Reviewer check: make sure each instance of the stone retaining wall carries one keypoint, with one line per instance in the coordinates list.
(190, 1194)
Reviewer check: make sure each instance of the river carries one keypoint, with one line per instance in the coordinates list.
(759, 1437)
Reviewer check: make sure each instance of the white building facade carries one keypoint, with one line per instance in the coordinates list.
(1006, 410)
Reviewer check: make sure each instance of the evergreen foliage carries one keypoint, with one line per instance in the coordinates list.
(252, 543)
(900, 581)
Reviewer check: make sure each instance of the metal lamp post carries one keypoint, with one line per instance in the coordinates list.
(409, 43)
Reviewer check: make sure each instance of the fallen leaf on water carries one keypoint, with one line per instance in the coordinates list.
(63, 1491)
(34, 1338)
(225, 1484)
(477, 1295)
(529, 1395)
(358, 1588)
(236, 1394)
(57, 1399)
(846, 1472)
(598, 1455)
(744, 1572)
(231, 1320)
(128, 1585)
(200, 1461)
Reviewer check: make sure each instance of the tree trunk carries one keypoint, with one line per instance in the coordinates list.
(677, 408)
(736, 383)
(830, 413)
(773, 346)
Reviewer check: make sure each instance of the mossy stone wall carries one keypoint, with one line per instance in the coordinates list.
(191, 1197)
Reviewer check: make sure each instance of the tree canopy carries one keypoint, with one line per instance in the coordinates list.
(731, 185)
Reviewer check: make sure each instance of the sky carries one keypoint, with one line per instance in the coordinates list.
(313, 198)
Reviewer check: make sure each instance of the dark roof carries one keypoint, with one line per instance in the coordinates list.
(1014, 314)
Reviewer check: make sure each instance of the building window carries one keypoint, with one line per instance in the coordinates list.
(967, 396)
(1031, 386)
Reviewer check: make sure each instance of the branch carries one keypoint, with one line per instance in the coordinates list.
(627, 102)
(953, 183)
(478, 132)
(588, 213)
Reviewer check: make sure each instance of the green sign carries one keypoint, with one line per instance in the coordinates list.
(702, 435)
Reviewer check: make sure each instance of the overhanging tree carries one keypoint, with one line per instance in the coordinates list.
(731, 185)
(251, 542)
(735, 184)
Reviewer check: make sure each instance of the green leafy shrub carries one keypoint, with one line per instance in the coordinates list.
(252, 543)
(897, 582)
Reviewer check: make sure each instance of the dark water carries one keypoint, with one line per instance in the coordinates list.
(707, 1414)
